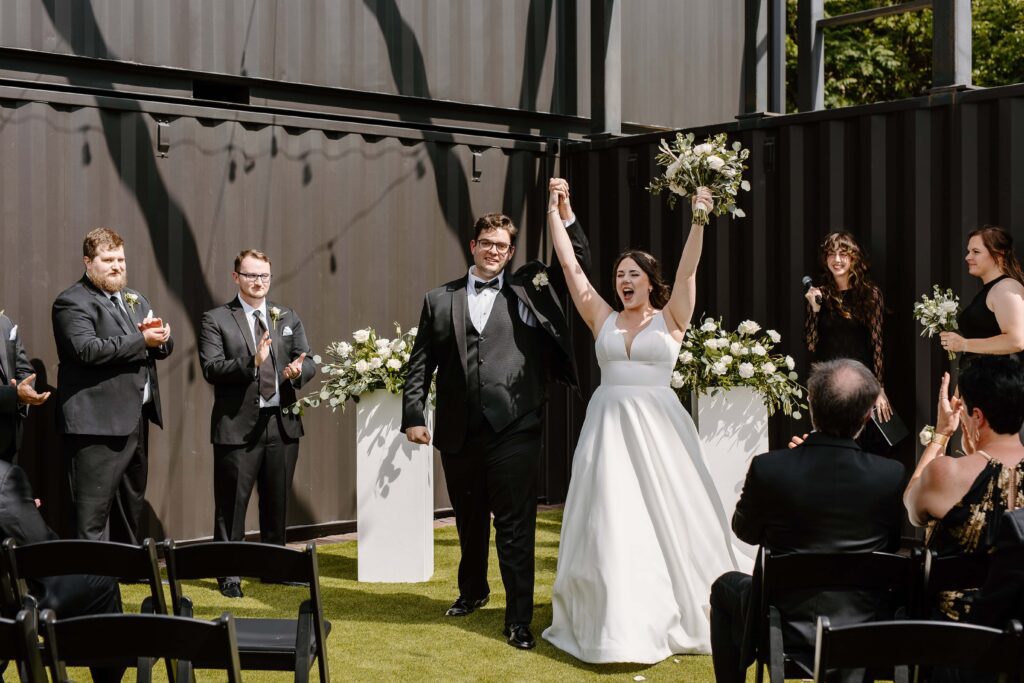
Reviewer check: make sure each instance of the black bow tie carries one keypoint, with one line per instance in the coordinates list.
(491, 284)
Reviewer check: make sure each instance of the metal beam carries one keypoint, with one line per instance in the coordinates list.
(755, 65)
(951, 44)
(777, 56)
(810, 55)
(874, 13)
(606, 67)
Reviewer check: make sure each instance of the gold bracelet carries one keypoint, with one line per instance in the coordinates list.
(940, 439)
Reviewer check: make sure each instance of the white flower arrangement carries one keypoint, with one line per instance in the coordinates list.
(925, 437)
(711, 164)
(712, 357)
(938, 314)
(371, 363)
(132, 299)
(540, 280)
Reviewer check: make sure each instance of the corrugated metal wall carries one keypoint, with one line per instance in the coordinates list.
(910, 179)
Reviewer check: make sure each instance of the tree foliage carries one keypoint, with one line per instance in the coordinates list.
(890, 58)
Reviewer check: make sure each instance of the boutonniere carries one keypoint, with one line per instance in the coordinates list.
(540, 280)
(131, 299)
(275, 315)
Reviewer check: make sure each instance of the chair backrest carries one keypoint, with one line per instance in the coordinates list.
(251, 560)
(918, 643)
(958, 572)
(100, 558)
(19, 644)
(121, 639)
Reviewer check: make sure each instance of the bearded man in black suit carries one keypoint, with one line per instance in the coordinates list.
(17, 392)
(495, 340)
(108, 392)
(253, 352)
(823, 495)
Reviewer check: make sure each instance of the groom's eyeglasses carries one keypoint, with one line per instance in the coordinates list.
(487, 245)
(253, 277)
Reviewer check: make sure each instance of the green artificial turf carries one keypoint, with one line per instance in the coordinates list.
(397, 632)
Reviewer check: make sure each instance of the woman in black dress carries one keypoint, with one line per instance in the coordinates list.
(993, 323)
(844, 314)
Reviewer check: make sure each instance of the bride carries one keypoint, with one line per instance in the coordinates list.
(644, 533)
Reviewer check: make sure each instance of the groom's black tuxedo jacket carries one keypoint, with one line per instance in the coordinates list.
(104, 362)
(441, 343)
(824, 496)
(13, 365)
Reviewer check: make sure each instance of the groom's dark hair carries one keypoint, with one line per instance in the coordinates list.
(841, 394)
(495, 221)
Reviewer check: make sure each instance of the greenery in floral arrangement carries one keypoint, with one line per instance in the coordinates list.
(712, 357)
(368, 364)
(712, 164)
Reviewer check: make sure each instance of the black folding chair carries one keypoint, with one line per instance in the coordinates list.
(263, 644)
(19, 644)
(891, 576)
(905, 644)
(113, 640)
(955, 573)
(99, 558)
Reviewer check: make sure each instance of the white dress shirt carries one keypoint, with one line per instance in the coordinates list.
(147, 391)
(480, 303)
(274, 400)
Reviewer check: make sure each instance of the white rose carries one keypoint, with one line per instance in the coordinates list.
(413, 331)
(385, 352)
(703, 148)
(344, 348)
(729, 173)
(774, 336)
(715, 163)
(748, 327)
(376, 363)
(677, 188)
(382, 343)
(926, 435)
(758, 350)
(736, 349)
(394, 364)
(361, 335)
(948, 307)
(726, 359)
(790, 363)
(673, 168)
(362, 366)
(677, 380)
(709, 326)
(768, 368)
(719, 368)
(686, 357)
(746, 370)
(711, 343)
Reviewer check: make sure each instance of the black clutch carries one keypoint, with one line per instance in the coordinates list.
(893, 431)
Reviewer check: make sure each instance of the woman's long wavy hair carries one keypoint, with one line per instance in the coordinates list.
(660, 291)
(999, 243)
(860, 305)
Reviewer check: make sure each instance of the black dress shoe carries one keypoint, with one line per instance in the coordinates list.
(231, 589)
(519, 635)
(463, 606)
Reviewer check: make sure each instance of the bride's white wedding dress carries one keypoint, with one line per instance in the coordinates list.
(644, 533)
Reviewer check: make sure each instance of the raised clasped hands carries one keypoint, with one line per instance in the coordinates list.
(294, 369)
(702, 199)
(27, 391)
(558, 198)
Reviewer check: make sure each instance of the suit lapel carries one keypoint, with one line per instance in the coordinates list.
(5, 362)
(460, 308)
(243, 325)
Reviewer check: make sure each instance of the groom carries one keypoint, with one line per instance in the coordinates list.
(495, 339)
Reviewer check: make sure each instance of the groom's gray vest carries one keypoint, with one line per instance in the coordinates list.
(505, 366)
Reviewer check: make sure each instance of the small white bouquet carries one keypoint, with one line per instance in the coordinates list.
(368, 364)
(712, 357)
(938, 314)
(925, 437)
(712, 164)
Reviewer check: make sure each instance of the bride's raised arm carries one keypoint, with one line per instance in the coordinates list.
(592, 308)
(680, 305)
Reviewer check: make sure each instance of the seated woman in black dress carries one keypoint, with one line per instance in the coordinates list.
(962, 500)
(844, 314)
(993, 323)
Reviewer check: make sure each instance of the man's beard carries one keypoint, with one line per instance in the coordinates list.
(110, 283)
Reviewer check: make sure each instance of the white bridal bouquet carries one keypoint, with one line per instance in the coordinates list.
(711, 164)
(368, 364)
(713, 357)
(938, 314)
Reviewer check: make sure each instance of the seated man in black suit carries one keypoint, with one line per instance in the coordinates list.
(17, 392)
(825, 495)
(68, 596)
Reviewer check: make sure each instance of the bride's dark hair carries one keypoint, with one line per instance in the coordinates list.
(660, 291)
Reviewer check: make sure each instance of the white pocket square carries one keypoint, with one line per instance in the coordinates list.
(14, 333)
(287, 331)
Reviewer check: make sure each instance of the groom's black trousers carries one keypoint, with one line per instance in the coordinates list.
(497, 472)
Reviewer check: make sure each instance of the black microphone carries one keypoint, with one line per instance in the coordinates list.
(808, 283)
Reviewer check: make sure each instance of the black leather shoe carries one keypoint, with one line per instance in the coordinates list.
(231, 589)
(463, 606)
(519, 635)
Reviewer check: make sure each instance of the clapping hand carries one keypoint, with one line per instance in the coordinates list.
(27, 392)
(263, 349)
(294, 369)
(154, 331)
